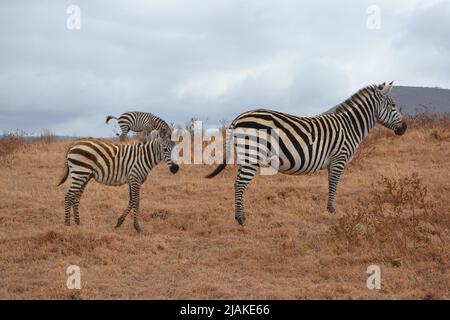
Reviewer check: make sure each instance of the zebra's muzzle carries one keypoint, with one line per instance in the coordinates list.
(174, 168)
(401, 130)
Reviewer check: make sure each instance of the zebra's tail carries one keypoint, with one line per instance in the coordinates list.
(66, 173)
(227, 154)
(109, 118)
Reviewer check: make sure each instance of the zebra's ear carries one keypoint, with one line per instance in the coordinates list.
(153, 135)
(380, 87)
(387, 89)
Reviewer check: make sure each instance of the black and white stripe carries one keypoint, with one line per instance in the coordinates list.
(139, 121)
(308, 144)
(115, 165)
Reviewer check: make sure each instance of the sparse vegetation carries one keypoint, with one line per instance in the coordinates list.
(398, 219)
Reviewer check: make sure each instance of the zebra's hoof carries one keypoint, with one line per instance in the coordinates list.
(67, 223)
(331, 210)
(240, 220)
(137, 227)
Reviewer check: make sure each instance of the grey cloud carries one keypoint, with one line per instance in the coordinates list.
(212, 60)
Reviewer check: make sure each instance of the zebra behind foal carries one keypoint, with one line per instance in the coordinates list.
(139, 121)
(308, 144)
(113, 164)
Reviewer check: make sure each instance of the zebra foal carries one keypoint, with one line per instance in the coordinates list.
(308, 144)
(113, 164)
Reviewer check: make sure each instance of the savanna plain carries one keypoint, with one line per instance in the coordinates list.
(393, 210)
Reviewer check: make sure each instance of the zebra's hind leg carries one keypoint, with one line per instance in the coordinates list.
(67, 207)
(82, 181)
(72, 197)
(245, 175)
(124, 133)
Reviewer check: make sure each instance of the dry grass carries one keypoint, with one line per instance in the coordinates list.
(393, 210)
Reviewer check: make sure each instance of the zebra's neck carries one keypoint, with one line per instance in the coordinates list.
(153, 151)
(360, 113)
(157, 122)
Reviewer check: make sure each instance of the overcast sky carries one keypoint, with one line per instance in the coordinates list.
(207, 59)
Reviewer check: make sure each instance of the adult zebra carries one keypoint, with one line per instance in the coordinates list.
(139, 121)
(113, 164)
(308, 144)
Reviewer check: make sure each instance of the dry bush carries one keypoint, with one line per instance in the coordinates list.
(364, 152)
(435, 126)
(46, 137)
(368, 147)
(9, 144)
(398, 219)
(428, 120)
(12, 142)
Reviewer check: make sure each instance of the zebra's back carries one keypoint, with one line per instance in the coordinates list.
(305, 143)
(139, 121)
(135, 120)
(101, 159)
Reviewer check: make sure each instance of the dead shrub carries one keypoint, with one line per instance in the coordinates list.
(437, 127)
(399, 218)
(368, 147)
(9, 144)
(426, 120)
(365, 151)
(46, 137)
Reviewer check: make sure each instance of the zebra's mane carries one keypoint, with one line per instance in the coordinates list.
(348, 103)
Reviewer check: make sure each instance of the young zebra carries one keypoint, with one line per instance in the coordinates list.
(138, 121)
(115, 165)
(307, 145)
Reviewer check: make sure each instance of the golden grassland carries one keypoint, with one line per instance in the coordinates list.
(393, 210)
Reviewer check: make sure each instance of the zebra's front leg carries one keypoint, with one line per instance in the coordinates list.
(123, 216)
(134, 196)
(244, 177)
(334, 174)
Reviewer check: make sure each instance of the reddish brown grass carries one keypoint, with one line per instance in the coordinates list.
(392, 210)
